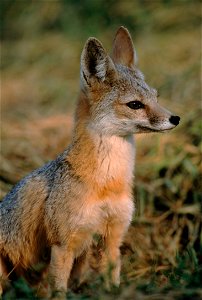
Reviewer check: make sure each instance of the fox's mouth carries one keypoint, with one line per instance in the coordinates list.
(161, 126)
(152, 129)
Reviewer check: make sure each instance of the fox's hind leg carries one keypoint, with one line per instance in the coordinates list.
(79, 270)
(42, 288)
(3, 275)
(60, 267)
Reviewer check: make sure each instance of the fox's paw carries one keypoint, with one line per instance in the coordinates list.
(59, 295)
(43, 291)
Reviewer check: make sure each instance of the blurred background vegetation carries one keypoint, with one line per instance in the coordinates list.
(41, 45)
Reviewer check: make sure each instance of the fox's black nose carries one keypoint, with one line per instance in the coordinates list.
(174, 120)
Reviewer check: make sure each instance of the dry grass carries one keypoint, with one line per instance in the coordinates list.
(162, 250)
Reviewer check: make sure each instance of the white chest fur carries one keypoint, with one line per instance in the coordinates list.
(106, 194)
(115, 158)
(115, 163)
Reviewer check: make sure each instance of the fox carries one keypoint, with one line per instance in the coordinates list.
(49, 218)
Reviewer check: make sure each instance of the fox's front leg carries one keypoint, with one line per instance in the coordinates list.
(60, 267)
(110, 262)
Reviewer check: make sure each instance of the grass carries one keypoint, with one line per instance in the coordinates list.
(162, 251)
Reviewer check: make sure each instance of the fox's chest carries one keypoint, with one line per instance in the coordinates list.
(109, 188)
(115, 211)
(97, 216)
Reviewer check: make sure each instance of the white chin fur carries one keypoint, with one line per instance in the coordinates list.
(158, 128)
(165, 126)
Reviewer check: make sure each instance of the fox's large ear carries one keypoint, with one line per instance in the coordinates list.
(123, 51)
(95, 63)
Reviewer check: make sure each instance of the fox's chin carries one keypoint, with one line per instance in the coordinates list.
(147, 129)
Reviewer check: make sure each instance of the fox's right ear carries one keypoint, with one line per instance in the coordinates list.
(95, 63)
(123, 51)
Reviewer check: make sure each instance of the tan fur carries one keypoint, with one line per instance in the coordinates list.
(48, 220)
(122, 51)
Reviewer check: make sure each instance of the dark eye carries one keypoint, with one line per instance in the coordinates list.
(135, 104)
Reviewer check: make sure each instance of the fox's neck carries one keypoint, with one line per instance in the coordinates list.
(101, 159)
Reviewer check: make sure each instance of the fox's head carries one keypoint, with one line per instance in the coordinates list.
(115, 99)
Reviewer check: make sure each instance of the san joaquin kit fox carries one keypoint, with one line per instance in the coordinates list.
(51, 215)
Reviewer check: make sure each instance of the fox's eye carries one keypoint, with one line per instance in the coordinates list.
(135, 104)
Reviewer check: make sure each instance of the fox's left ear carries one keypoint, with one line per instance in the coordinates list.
(96, 64)
(123, 51)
